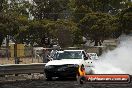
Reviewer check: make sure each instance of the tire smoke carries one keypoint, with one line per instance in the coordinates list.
(117, 61)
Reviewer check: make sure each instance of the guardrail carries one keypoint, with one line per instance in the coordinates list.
(22, 68)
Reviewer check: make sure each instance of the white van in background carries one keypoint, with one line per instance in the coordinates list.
(93, 56)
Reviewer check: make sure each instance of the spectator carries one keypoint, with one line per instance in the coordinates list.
(52, 53)
(46, 54)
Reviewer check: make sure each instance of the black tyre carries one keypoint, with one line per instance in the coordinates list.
(77, 77)
(62, 78)
(91, 72)
(81, 80)
(48, 78)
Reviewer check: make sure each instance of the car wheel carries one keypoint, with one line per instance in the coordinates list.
(81, 80)
(48, 78)
(91, 72)
(77, 76)
(61, 77)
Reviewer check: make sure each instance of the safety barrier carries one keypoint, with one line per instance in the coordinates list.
(10, 69)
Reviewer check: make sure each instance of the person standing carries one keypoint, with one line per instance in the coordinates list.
(55, 49)
(46, 54)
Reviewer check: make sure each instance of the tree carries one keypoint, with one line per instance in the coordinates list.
(65, 31)
(97, 27)
(2, 26)
(1, 5)
(80, 8)
(14, 19)
(35, 33)
(126, 20)
(49, 9)
(33, 22)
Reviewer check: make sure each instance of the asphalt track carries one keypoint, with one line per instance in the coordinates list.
(57, 83)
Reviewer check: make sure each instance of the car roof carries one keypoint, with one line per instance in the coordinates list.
(91, 53)
(60, 51)
(73, 50)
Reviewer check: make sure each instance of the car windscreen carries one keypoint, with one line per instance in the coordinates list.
(69, 55)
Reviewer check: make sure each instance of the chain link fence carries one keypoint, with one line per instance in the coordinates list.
(39, 54)
(25, 56)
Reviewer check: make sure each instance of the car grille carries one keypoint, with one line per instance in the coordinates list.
(65, 67)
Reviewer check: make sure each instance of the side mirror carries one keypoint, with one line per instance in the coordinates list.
(85, 58)
(50, 59)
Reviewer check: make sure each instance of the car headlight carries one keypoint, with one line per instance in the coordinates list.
(49, 67)
(73, 65)
(62, 68)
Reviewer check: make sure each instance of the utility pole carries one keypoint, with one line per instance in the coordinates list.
(7, 47)
(15, 50)
(15, 53)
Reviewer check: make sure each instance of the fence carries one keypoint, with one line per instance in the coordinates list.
(37, 55)
(25, 56)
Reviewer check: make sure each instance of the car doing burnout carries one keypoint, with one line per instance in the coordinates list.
(68, 63)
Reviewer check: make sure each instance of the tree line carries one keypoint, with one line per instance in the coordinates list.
(43, 22)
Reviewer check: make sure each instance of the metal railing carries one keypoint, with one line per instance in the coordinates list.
(11, 69)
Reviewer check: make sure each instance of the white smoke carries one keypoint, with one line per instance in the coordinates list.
(117, 61)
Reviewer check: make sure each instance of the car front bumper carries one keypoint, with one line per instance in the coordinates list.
(61, 71)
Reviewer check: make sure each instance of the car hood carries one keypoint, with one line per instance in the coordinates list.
(64, 61)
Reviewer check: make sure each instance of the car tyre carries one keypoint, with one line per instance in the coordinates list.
(48, 78)
(91, 72)
(81, 80)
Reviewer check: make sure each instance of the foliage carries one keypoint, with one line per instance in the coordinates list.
(49, 9)
(65, 21)
(97, 26)
(65, 31)
(35, 32)
(14, 18)
(126, 20)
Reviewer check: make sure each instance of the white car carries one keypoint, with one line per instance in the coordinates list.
(67, 64)
(93, 56)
